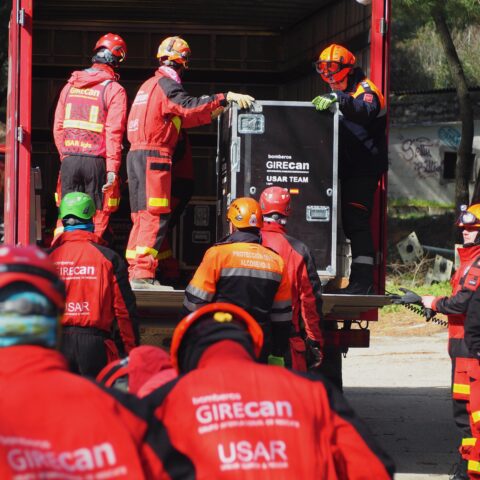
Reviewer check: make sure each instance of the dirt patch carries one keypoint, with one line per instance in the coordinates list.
(405, 324)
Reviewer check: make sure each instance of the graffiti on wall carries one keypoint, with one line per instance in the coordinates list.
(450, 136)
(416, 151)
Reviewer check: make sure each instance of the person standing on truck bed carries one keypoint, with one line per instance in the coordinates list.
(306, 342)
(99, 298)
(465, 283)
(362, 155)
(233, 418)
(160, 110)
(53, 423)
(239, 270)
(89, 124)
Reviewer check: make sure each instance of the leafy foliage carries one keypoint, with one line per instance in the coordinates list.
(417, 59)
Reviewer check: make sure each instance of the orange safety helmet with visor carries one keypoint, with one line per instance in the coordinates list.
(245, 212)
(114, 44)
(174, 49)
(220, 312)
(335, 63)
(469, 218)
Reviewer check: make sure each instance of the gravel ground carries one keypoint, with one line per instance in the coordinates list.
(400, 386)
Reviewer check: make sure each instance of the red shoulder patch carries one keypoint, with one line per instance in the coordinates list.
(368, 97)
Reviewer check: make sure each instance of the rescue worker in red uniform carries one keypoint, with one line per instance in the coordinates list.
(234, 418)
(362, 155)
(472, 340)
(465, 283)
(239, 270)
(55, 424)
(160, 110)
(307, 347)
(100, 301)
(145, 369)
(89, 124)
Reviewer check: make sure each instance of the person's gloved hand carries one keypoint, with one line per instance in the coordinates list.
(111, 176)
(243, 101)
(217, 112)
(324, 102)
(278, 361)
(315, 352)
(408, 297)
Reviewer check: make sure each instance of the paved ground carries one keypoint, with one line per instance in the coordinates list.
(400, 387)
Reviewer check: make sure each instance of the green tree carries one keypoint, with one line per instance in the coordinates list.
(444, 18)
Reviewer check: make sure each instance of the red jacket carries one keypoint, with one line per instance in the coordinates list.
(98, 291)
(465, 282)
(114, 102)
(250, 421)
(302, 272)
(54, 424)
(162, 107)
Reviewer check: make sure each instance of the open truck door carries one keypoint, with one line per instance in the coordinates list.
(19, 216)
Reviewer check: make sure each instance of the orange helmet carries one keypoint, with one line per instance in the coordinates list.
(245, 212)
(469, 217)
(275, 200)
(115, 45)
(221, 313)
(335, 63)
(174, 49)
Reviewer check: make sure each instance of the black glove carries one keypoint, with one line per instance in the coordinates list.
(314, 353)
(408, 297)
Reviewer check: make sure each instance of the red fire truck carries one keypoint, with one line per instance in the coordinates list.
(265, 48)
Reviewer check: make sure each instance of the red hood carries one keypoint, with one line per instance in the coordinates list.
(78, 236)
(92, 76)
(273, 227)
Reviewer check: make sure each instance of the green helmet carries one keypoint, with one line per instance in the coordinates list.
(77, 204)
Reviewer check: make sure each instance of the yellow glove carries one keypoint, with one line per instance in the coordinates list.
(243, 101)
(324, 102)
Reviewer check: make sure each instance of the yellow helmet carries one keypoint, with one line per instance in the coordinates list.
(469, 217)
(174, 49)
(245, 213)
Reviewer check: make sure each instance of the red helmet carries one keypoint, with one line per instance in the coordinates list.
(114, 44)
(221, 313)
(31, 265)
(469, 217)
(335, 63)
(245, 212)
(275, 200)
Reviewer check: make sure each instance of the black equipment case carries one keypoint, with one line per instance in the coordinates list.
(291, 145)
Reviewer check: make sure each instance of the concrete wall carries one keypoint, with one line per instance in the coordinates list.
(423, 128)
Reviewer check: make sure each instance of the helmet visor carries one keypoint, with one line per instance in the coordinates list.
(468, 219)
(120, 53)
(331, 71)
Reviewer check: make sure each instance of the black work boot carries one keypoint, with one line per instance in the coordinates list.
(361, 281)
(459, 471)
